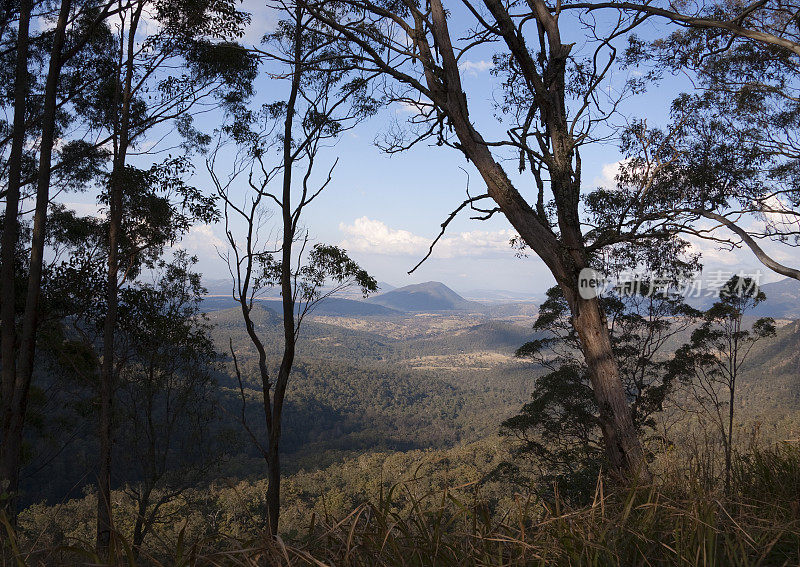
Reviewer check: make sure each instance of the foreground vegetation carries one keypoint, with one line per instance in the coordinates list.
(447, 508)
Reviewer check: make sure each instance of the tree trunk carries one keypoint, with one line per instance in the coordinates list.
(27, 347)
(105, 523)
(729, 444)
(273, 489)
(10, 450)
(564, 255)
(623, 449)
(141, 520)
(287, 291)
(104, 512)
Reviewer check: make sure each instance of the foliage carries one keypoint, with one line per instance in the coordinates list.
(729, 153)
(557, 432)
(440, 513)
(711, 363)
(165, 441)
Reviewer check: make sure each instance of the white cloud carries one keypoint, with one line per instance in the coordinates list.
(367, 235)
(201, 241)
(711, 253)
(715, 254)
(374, 236)
(782, 221)
(414, 107)
(263, 20)
(472, 68)
(608, 173)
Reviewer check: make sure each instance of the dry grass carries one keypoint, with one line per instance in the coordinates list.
(661, 525)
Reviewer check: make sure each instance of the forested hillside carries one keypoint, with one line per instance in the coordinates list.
(450, 382)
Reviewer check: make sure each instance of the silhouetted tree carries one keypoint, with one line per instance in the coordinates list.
(710, 364)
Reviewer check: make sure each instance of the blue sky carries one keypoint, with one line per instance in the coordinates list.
(386, 209)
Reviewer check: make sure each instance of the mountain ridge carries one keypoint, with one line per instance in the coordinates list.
(422, 297)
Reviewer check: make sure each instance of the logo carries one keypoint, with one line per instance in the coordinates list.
(590, 283)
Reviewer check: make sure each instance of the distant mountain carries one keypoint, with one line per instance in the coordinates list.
(428, 296)
(502, 296)
(222, 287)
(354, 292)
(335, 306)
(783, 300)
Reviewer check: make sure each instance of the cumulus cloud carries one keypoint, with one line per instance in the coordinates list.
(781, 215)
(414, 106)
(608, 174)
(201, 241)
(472, 68)
(263, 20)
(367, 235)
(711, 253)
(374, 236)
(721, 255)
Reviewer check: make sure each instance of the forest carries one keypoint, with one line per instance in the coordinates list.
(196, 370)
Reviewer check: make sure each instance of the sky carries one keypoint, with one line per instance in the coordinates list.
(386, 209)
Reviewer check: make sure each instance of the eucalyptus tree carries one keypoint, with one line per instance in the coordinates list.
(326, 96)
(725, 168)
(165, 440)
(66, 36)
(556, 433)
(158, 207)
(142, 91)
(711, 363)
(556, 96)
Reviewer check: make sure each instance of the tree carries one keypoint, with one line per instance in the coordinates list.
(140, 93)
(726, 167)
(73, 34)
(166, 410)
(557, 432)
(326, 98)
(710, 364)
(555, 102)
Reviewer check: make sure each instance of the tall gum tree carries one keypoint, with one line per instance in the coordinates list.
(552, 97)
(327, 96)
(53, 73)
(145, 91)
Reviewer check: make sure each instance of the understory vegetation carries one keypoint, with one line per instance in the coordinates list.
(448, 508)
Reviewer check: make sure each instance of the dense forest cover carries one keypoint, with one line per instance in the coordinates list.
(286, 407)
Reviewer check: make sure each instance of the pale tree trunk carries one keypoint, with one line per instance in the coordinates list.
(17, 396)
(623, 448)
(565, 256)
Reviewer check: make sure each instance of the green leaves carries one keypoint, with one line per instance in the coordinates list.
(326, 269)
(557, 433)
(327, 262)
